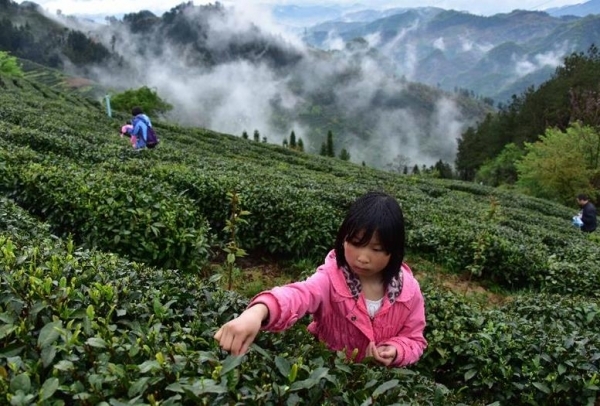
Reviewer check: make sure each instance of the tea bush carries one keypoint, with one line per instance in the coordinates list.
(84, 327)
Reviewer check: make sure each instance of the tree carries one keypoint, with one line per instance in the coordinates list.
(143, 97)
(9, 65)
(558, 166)
(293, 144)
(502, 169)
(415, 170)
(285, 143)
(256, 136)
(300, 145)
(344, 155)
(323, 149)
(443, 169)
(245, 135)
(330, 149)
(585, 108)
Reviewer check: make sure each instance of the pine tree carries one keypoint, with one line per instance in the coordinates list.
(300, 145)
(329, 148)
(415, 170)
(323, 149)
(344, 155)
(245, 135)
(293, 140)
(256, 136)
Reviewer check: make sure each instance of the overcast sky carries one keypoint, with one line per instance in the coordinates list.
(116, 7)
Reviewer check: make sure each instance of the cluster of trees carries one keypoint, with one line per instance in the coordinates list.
(545, 141)
(561, 164)
(47, 43)
(20, 41)
(83, 51)
(256, 136)
(440, 169)
(296, 145)
(9, 65)
(328, 149)
(187, 27)
(470, 93)
(144, 97)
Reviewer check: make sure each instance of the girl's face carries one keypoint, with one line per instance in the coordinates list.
(368, 260)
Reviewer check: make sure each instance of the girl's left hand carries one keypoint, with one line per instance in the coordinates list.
(384, 354)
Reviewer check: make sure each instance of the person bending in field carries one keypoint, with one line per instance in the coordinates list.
(141, 131)
(363, 299)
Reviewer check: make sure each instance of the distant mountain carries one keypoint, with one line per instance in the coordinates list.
(304, 16)
(494, 56)
(580, 10)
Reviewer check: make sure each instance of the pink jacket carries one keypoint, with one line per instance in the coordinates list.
(342, 322)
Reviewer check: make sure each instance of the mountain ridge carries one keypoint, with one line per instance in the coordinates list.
(419, 35)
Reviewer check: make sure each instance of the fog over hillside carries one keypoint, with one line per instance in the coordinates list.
(274, 87)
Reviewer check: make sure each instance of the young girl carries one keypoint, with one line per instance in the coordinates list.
(363, 297)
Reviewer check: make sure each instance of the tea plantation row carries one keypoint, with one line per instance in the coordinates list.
(296, 199)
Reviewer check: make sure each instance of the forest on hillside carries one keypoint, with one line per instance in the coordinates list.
(27, 34)
(496, 151)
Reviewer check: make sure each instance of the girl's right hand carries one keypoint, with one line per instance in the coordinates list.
(237, 335)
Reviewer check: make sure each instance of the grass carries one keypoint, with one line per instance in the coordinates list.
(429, 272)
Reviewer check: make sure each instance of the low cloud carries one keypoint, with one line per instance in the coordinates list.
(529, 64)
(241, 94)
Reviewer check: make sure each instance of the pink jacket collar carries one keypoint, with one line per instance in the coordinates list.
(341, 287)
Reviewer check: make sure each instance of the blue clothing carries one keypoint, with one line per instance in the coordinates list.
(140, 124)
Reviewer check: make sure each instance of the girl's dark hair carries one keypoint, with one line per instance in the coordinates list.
(374, 212)
(136, 110)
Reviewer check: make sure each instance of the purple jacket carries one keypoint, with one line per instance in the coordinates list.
(342, 322)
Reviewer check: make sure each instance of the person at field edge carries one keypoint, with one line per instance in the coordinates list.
(364, 300)
(139, 127)
(588, 213)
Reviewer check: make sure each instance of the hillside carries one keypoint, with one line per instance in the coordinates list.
(84, 322)
(60, 81)
(225, 72)
(27, 32)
